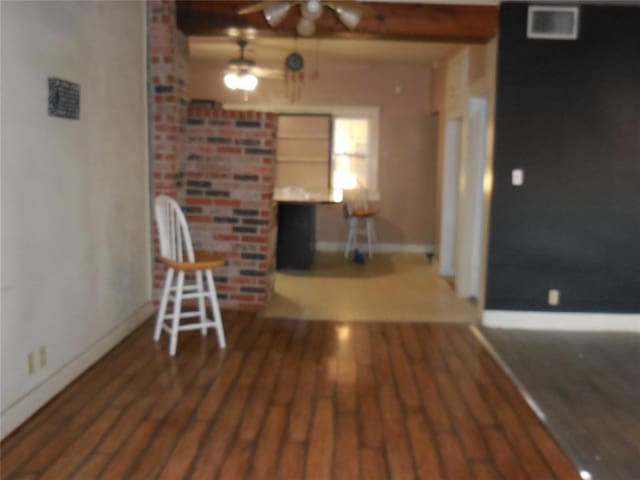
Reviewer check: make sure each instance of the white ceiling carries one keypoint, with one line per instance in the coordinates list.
(269, 51)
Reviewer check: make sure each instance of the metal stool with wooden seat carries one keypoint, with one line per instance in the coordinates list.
(177, 254)
(353, 216)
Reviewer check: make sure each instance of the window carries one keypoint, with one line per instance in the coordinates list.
(350, 159)
(355, 150)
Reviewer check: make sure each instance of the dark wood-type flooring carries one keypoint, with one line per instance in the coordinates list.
(291, 399)
(587, 385)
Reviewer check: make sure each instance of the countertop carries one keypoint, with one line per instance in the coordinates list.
(301, 196)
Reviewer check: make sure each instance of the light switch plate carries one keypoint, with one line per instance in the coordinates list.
(517, 177)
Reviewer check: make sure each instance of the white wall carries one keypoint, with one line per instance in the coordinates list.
(75, 212)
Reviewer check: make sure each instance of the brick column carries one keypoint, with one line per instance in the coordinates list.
(168, 61)
(228, 199)
(219, 165)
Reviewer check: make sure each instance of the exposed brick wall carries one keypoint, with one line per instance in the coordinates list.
(219, 165)
(168, 61)
(228, 190)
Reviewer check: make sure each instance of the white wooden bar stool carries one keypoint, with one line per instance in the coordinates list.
(177, 254)
(354, 217)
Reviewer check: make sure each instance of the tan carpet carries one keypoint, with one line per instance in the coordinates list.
(402, 288)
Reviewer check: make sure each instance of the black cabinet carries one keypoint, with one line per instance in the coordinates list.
(296, 235)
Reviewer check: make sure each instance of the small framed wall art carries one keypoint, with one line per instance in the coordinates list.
(64, 98)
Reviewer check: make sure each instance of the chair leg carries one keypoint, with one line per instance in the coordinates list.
(356, 232)
(162, 309)
(177, 307)
(352, 240)
(215, 308)
(201, 308)
(371, 235)
(348, 245)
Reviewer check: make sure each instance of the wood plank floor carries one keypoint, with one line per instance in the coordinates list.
(291, 399)
(587, 385)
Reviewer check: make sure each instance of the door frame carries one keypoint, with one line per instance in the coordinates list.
(471, 200)
(450, 186)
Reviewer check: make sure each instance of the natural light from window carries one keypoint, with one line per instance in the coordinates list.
(350, 153)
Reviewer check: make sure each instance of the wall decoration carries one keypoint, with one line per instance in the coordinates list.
(294, 76)
(64, 99)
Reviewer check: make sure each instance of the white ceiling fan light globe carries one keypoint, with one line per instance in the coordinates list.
(311, 9)
(245, 81)
(275, 12)
(248, 82)
(306, 27)
(349, 16)
(231, 80)
(314, 5)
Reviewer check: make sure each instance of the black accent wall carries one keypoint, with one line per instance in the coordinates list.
(568, 113)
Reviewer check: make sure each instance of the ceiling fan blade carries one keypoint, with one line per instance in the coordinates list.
(363, 9)
(351, 13)
(269, 73)
(257, 7)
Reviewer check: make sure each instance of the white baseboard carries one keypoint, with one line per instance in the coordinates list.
(568, 321)
(15, 414)
(379, 247)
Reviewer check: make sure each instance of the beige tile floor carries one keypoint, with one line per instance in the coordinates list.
(403, 288)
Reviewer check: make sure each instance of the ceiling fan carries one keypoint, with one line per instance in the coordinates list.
(242, 73)
(349, 12)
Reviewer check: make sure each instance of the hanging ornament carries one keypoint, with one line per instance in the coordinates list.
(315, 74)
(294, 76)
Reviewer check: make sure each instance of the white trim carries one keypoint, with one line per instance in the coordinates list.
(450, 218)
(16, 413)
(146, 100)
(341, 110)
(379, 247)
(471, 198)
(568, 321)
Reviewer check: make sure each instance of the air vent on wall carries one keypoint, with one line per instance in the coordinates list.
(550, 22)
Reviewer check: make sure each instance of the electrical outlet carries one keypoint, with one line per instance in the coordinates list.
(42, 353)
(554, 297)
(31, 363)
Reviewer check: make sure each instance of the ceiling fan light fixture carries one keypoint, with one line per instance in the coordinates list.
(244, 81)
(275, 12)
(306, 27)
(231, 80)
(248, 82)
(348, 15)
(311, 9)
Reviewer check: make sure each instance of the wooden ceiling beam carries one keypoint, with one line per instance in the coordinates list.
(393, 21)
